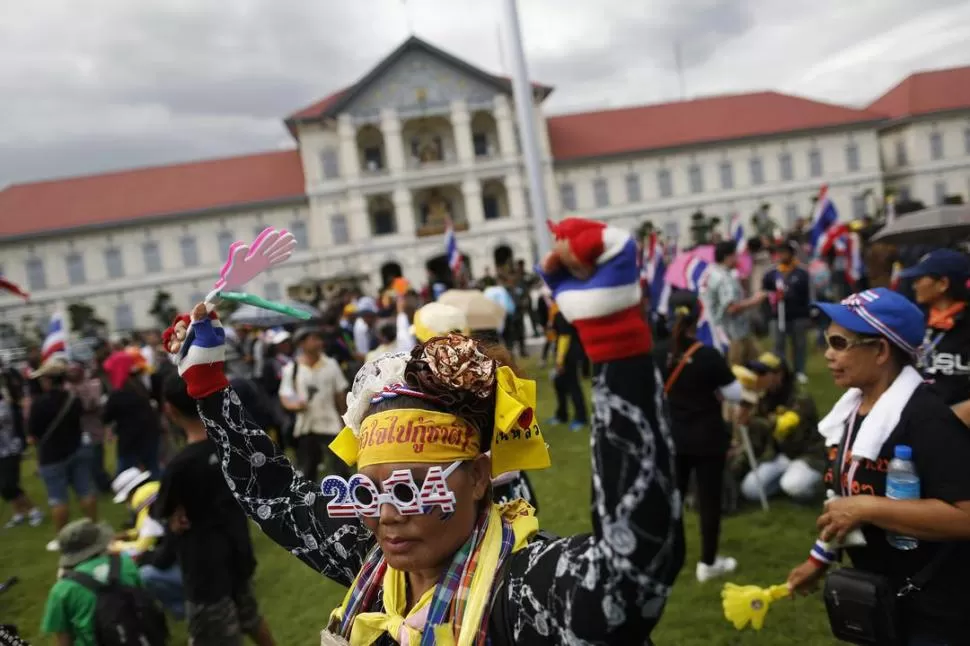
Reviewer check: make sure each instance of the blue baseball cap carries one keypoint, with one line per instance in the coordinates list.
(941, 262)
(880, 312)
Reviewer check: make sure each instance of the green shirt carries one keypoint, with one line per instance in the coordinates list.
(70, 606)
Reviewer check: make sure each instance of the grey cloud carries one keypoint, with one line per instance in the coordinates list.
(114, 83)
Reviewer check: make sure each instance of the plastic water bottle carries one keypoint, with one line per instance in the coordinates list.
(902, 483)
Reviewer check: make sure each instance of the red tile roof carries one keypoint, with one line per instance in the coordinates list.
(319, 107)
(164, 190)
(926, 93)
(682, 123)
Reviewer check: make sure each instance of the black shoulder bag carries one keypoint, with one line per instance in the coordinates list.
(865, 607)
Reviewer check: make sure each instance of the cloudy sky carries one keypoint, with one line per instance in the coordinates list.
(106, 84)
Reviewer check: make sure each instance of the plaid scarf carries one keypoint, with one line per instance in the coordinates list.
(451, 594)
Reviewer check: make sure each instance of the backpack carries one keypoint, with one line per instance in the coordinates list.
(124, 615)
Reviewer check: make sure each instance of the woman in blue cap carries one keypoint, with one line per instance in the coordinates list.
(873, 340)
(940, 286)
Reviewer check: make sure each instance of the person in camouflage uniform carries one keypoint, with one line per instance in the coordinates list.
(783, 430)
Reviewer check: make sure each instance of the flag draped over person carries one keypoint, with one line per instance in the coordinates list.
(696, 275)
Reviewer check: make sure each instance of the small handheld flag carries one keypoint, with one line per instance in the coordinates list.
(55, 343)
(451, 248)
(14, 288)
(824, 216)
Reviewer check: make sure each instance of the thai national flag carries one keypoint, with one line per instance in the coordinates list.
(654, 271)
(825, 216)
(833, 239)
(14, 288)
(451, 248)
(854, 268)
(896, 278)
(707, 333)
(736, 233)
(55, 343)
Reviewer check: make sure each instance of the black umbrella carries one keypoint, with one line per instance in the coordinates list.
(938, 226)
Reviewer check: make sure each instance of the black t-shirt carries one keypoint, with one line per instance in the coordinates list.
(948, 367)
(797, 294)
(64, 439)
(941, 453)
(136, 422)
(695, 408)
(215, 553)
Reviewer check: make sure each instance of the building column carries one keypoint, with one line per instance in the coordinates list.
(347, 137)
(404, 211)
(358, 223)
(461, 122)
(515, 188)
(393, 141)
(471, 193)
(505, 122)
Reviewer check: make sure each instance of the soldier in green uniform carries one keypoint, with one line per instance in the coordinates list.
(784, 435)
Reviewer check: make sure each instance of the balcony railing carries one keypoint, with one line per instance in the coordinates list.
(439, 228)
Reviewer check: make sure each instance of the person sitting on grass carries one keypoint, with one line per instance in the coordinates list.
(438, 562)
(147, 542)
(71, 611)
(782, 428)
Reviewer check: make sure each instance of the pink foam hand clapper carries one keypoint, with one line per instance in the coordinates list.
(246, 261)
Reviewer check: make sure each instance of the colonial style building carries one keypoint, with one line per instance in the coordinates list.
(382, 164)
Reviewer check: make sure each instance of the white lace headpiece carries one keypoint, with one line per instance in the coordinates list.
(374, 378)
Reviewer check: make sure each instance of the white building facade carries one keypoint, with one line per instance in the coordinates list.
(425, 138)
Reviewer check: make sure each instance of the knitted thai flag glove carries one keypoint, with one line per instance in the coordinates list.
(202, 357)
(604, 308)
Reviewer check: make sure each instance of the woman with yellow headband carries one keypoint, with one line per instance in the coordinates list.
(427, 556)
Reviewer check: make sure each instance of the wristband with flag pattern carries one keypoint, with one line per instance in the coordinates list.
(822, 554)
(605, 308)
(202, 357)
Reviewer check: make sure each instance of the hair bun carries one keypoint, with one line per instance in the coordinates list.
(458, 372)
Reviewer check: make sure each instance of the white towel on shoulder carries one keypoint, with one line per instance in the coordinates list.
(879, 423)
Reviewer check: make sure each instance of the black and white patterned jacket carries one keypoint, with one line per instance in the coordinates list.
(607, 587)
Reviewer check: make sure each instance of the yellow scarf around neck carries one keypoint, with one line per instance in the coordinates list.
(369, 626)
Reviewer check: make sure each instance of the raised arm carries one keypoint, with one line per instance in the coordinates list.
(610, 587)
(286, 506)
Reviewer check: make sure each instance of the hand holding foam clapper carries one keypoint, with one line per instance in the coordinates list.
(749, 603)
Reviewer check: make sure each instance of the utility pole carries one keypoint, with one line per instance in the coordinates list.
(523, 96)
(678, 61)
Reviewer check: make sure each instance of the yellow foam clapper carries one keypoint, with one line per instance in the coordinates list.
(747, 377)
(748, 604)
(785, 423)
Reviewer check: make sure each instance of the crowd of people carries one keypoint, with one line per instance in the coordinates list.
(415, 423)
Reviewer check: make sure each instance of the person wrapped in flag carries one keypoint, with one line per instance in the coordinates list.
(428, 557)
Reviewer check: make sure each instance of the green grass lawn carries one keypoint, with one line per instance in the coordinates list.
(297, 601)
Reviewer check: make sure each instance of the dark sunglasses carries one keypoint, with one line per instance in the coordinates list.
(840, 343)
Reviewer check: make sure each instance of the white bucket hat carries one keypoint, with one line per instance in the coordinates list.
(127, 481)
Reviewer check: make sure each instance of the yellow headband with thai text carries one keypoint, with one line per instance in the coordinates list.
(421, 436)
(408, 435)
